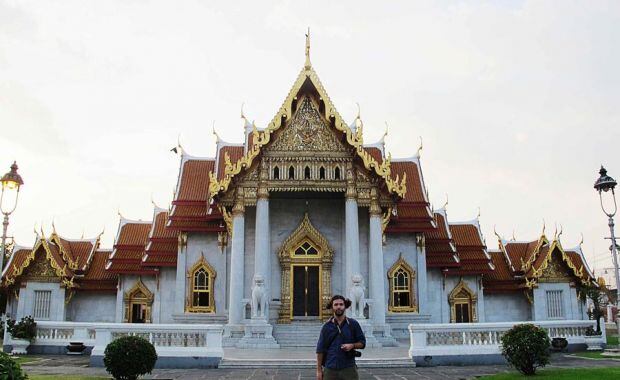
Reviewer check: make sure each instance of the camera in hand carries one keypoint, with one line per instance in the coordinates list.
(354, 353)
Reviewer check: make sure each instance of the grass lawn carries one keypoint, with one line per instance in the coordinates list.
(612, 340)
(560, 374)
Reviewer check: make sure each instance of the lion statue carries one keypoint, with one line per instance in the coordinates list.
(356, 294)
(259, 297)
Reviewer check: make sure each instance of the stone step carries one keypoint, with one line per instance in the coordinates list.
(311, 363)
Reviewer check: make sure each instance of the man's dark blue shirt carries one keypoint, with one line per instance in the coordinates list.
(337, 358)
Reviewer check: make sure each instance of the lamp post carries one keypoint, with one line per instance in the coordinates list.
(11, 182)
(603, 185)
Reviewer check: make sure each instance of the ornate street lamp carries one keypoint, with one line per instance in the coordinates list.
(11, 182)
(603, 185)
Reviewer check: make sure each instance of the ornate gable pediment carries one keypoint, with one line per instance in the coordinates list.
(40, 269)
(556, 270)
(307, 131)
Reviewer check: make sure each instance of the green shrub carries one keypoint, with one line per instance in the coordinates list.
(526, 347)
(10, 369)
(128, 357)
(25, 329)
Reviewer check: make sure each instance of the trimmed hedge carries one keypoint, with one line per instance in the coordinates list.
(526, 347)
(128, 357)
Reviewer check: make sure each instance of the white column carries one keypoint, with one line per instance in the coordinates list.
(352, 258)
(421, 275)
(236, 310)
(180, 281)
(261, 245)
(375, 267)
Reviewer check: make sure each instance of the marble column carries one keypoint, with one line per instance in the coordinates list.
(236, 309)
(421, 275)
(262, 258)
(375, 263)
(352, 235)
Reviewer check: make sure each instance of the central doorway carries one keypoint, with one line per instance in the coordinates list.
(306, 260)
(306, 291)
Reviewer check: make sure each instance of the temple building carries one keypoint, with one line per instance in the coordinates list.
(261, 235)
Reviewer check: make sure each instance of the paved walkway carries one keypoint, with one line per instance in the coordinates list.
(66, 365)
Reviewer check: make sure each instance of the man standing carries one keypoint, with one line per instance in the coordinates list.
(335, 350)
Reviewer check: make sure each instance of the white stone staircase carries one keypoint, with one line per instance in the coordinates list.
(297, 334)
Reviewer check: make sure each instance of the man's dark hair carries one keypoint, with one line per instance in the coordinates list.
(347, 302)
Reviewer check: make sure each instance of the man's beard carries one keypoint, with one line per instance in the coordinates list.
(338, 312)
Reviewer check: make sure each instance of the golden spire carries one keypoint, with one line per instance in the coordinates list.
(419, 152)
(308, 64)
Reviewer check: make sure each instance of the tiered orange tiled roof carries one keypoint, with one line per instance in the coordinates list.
(440, 249)
(471, 249)
(413, 211)
(129, 247)
(161, 249)
(191, 210)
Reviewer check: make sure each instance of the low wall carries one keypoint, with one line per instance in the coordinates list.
(177, 346)
(480, 343)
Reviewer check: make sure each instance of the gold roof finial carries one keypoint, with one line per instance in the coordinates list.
(478, 216)
(419, 152)
(217, 137)
(513, 235)
(387, 127)
(544, 226)
(308, 64)
(581, 242)
(359, 111)
(445, 204)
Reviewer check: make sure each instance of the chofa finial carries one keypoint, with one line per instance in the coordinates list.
(308, 64)
(217, 137)
(419, 152)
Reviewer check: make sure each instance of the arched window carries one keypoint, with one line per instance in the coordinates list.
(463, 302)
(138, 302)
(401, 278)
(201, 280)
(307, 173)
(306, 249)
(291, 173)
(276, 173)
(322, 173)
(337, 173)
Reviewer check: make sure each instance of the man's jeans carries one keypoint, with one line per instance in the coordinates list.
(340, 374)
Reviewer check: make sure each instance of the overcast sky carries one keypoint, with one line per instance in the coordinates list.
(517, 101)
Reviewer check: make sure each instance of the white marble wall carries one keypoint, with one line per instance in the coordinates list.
(570, 301)
(25, 304)
(507, 307)
(439, 290)
(92, 307)
(395, 245)
(197, 244)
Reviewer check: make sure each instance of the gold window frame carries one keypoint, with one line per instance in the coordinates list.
(202, 263)
(138, 294)
(401, 264)
(462, 294)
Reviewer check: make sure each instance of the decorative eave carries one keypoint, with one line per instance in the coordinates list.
(59, 268)
(262, 138)
(532, 281)
(527, 264)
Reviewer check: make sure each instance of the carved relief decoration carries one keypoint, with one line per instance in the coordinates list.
(307, 132)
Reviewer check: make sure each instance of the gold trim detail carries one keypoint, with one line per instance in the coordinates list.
(462, 294)
(202, 263)
(398, 265)
(262, 138)
(537, 273)
(60, 272)
(138, 294)
(288, 259)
